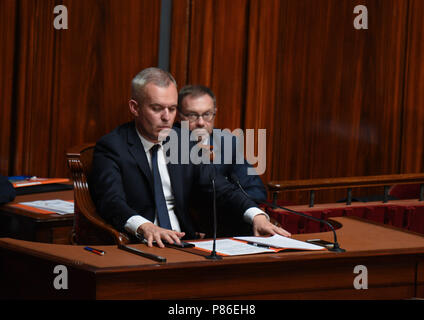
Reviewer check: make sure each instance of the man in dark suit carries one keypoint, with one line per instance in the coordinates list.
(136, 190)
(197, 105)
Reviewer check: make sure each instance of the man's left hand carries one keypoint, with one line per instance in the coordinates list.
(262, 227)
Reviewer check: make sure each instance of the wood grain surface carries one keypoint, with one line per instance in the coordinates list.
(335, 101)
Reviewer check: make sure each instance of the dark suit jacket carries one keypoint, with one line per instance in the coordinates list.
(121, 182)
(7, 192)
(252, 184)
(228, 224)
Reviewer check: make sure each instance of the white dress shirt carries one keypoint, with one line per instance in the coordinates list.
(136, 221)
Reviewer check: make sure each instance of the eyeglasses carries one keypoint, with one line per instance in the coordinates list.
(192, 117)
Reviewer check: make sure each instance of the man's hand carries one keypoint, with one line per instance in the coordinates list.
(152, 232)
(262, 227)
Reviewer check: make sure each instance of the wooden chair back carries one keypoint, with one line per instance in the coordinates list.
(89, 226)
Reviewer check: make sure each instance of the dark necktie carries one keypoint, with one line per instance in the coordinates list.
(162, 210)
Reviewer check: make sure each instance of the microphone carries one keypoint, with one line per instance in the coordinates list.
(335, 248)
(213, 255)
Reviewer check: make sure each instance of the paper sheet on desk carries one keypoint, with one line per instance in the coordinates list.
(230, 247)
(278, 241)
(58, 206)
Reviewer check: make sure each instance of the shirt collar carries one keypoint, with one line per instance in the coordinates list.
(147, 145)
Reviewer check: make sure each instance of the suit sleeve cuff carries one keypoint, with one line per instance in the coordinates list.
(250, 213)
(133, 223)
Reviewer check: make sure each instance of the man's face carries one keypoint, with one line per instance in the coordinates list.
(192, 107)
(156, 112)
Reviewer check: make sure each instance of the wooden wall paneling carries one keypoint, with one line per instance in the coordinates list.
(106, 45)
(7, 48)
(33, 87)
(412, 152)
(335, 101)
(199, 68)
(339, 90)
(211, 40)
(180, 38)
(229, 61)
(79, 78)
(387, 108)
(262, 74)
(72, 86)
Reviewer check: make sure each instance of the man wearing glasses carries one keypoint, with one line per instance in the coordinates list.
(197, 105)
(137, 191)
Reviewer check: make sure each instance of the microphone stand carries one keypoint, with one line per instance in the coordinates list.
(213, 255)
(336, 246)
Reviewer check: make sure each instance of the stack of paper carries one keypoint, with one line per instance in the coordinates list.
(278, 241)
(251, 245)
(58, 206)
(230, 247)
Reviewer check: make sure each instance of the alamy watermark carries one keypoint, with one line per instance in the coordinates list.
(228, 147)
(361, 280)
(361, 20)
(61, 20)
(60, 282)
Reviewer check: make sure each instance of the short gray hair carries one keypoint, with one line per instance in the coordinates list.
(153, 75)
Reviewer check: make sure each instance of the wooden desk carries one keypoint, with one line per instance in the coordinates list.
(23, 224)
(394, 260)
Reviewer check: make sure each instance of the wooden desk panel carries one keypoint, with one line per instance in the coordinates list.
(394, 259)
(28, 225)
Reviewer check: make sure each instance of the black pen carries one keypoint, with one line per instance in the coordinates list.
(258, 245)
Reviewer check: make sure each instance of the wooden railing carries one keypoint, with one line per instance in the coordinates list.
(312, 185)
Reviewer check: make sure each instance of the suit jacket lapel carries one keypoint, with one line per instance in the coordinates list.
(136, 149)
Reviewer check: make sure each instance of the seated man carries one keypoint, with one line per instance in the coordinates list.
(7, 192)
(197, 105)
(136, 190)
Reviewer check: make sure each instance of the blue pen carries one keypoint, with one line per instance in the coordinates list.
(96, 251)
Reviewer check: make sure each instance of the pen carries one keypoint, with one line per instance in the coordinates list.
(96, 251)
(142, 253)
(258, 245)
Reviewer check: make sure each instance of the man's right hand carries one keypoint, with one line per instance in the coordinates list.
(152, 232)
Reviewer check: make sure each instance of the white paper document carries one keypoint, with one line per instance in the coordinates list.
(278, 241)
(58, 206)
(230, 247)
